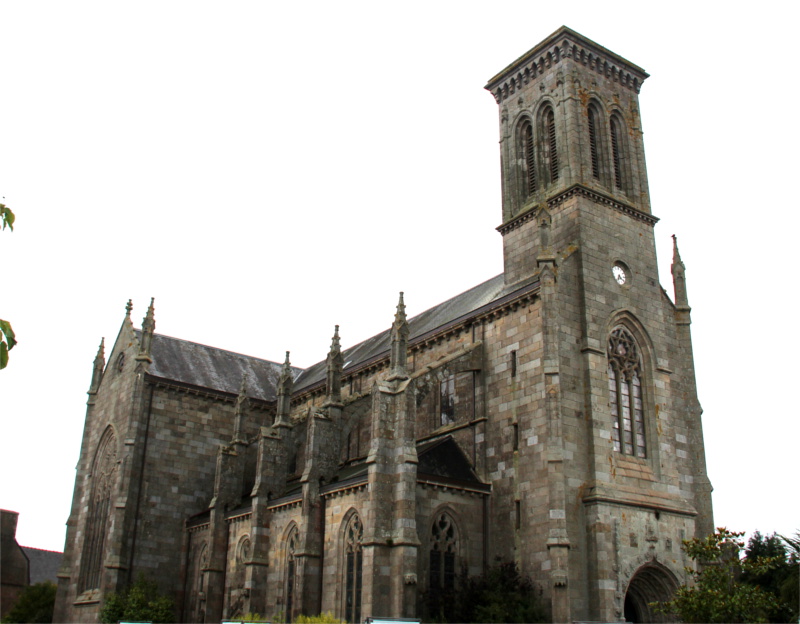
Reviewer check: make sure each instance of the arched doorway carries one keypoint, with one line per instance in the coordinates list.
(650, 583)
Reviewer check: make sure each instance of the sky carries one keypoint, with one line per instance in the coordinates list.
(267, 170)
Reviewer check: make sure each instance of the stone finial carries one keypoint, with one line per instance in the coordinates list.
(128, 308)
(242, 404)
(285, 385)
(148, 329)
(334, 370)
(678, 269)
(99, 365)
(398, 354)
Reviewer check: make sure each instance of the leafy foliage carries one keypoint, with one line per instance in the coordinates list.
(35, 604)
(780, 579)
(141, 602)
(718, 594)
(7, 338)
(500, 594)
(322, 618)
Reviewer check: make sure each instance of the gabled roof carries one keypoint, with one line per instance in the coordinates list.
(208, 367)
(44, 564)
(437, 316)
(444, 458)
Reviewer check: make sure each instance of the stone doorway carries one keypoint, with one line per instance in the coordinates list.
(650, 583)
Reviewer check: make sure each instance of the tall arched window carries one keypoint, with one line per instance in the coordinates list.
(618, 154)
(527, 149)
(103, 475)
(444, 541)
(291, 571)
(595, 124)
(551, 149)
(353, 536)
(625, 394)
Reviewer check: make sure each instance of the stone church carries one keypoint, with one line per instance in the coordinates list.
(547, 417)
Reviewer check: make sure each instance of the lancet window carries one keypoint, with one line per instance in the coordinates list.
(444, 542)
(625, 394)
(551, 147)
(103, 479)
(291, 571)
(595, 124)
(618, 155)
(527, 149)
(354, 534)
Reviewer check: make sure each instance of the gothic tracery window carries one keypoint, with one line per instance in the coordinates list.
(354, 534)
(444, 540)
(103, 476)
(625, 394)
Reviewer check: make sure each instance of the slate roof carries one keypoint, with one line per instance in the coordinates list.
(459, 306)
(208, 367)
(44, 564)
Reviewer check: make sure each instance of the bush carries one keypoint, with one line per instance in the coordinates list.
(141, 602)
(35, 604)
(322, 618)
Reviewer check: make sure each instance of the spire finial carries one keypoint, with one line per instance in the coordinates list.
(400, 315)
(398, 354)
(679, 277)
(128, 308)
(148, 328)
(676, 254)
(285, 385)
(334, 371)
(97, 369)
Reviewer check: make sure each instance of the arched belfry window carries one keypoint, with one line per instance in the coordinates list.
(550, 145)
(353, 536)
(527, 156)
(103, 479)
(595, 124)
(444, 542)
(291, 571)
(625, 394)
(618, 152)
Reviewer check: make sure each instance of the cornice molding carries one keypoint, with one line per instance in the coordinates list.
(578, 190)
(565, 44)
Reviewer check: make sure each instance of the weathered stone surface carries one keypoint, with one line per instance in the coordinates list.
(264, 504)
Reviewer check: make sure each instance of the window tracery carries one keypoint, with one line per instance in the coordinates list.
(354, 535)
(444, 541)
(103, 475)
(625, 394)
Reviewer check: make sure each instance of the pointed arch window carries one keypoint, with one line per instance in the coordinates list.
(444, 542)
(103, 475)
(625, 394)
(551, 147)
(353, 537)
(618, 154)
(527, 149)
(291, 571)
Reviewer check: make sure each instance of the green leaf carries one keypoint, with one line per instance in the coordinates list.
(5, 327)
(7, 217)
(3, 355)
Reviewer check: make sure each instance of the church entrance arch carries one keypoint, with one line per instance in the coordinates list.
(650, 583)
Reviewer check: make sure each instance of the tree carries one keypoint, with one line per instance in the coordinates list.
(141, 602)
(35, 604)
(778, 579)
(7, 338)
(717, 593)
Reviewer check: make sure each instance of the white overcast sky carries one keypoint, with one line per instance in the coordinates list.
(266, 170)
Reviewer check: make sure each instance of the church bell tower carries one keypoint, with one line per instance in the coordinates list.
(617, 419)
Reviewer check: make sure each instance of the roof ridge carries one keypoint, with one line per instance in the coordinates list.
(57, 552)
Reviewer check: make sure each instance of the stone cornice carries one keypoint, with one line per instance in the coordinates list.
(565, 43)
(573, 191)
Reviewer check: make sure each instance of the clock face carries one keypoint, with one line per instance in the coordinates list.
(619, 274)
